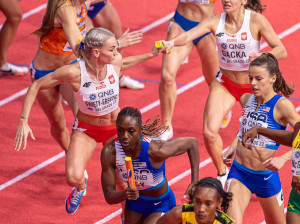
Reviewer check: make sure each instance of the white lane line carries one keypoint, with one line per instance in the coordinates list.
(173, 181)
(32, 12)
(143, 110)
(13, 97)
(285, 33)
(155, 24)
(53, 159)
(31, 171)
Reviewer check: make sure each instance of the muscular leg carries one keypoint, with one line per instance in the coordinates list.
(152, 218)
(170, 65)
(13, 14)
(79, 153)
(292, 218)
(133, 217)
(274, 214)
(218, 104)
(206, 48)
(108, 18)
(241, 198)
(51, 104)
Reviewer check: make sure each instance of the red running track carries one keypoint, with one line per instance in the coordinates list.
(39, 197)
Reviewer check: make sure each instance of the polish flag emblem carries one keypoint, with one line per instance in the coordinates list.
(111, 79)
(244, 36)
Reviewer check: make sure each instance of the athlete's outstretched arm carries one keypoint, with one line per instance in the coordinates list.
(131, 61)
(162, 150)
(108, 178)
(173, 216)
(266, 30)
(63, 74)
(207, 25)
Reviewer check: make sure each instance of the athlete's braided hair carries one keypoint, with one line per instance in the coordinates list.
(151, 129)
(209, 182)
(255, 5)
(270, 62)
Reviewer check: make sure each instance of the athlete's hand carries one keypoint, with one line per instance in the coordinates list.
(296, 184)
(22, 133)
(227, 156)
(132, 193)
(156, 51)
(129, 38)
(275, 163)
(248, 137)
(168, 45)
(254, 55)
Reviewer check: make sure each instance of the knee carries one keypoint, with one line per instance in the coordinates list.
(15, 19)
(73, 176)
(58, 126)
(168, 78)
(210, 135)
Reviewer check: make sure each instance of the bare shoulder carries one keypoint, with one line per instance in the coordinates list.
(258, 20)
(117, 63)
(109, 149)
(244, 99)
(284, 104)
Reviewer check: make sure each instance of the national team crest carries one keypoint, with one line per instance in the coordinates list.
(244, 36)
(111, 79)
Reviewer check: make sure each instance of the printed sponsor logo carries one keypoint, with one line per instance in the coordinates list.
(129, 173)
(297, 154)
(224, 46)
(244, 36)
(267, 178)
(157, 203)
(111, 79)
(87, 84)
(219, 34)
(102, 85)
(92, 96)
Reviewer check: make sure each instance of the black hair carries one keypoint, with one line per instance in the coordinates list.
(209, 182)
(153, 128)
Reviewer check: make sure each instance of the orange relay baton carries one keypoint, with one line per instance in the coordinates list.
(130, 174)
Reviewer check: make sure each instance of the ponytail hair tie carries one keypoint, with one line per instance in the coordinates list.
(80, 42)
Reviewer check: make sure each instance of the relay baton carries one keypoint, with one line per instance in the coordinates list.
(160, 45)
(130, 174)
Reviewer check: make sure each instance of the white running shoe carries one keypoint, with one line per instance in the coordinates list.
(86, 181)
(127, 82)
(10, 69)
(168, 134)
(223, 178)
(226, 120)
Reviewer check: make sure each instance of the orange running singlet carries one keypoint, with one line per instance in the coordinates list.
(55, 42)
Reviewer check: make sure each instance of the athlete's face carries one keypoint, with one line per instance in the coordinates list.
(205, 204)
(261, 81)
(232, 5)
(109, 51)
(129, 132)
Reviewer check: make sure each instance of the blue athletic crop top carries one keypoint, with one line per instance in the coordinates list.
(145, 174)
(263, 117)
